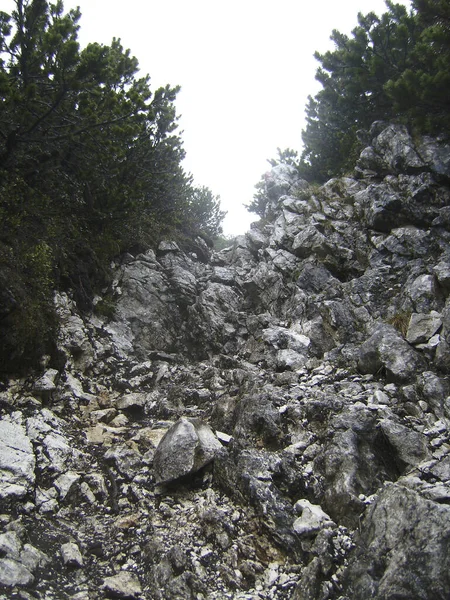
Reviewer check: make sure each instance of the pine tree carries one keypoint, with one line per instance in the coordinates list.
(90, 166)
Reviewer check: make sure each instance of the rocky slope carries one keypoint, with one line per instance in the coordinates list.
(303, 374)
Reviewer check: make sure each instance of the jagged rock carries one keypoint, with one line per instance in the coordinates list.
(436, 154)
(312, 519)
(13, 573)
(73, 340)
(410, 446)
(18, 562)
(17, 460)
(386, 349)
(392, 151)
(71, 555)
(405, 537)
(442, 272)
(280, 180)
(280, 342)
(188, 446)
(254, 473)
(47, 383)
(123, 585)
(139, 325)
(422, 327)
(65, 482)
(423, 294)
(212, 319)
(132, 401)
(256, 238)
(381, 207)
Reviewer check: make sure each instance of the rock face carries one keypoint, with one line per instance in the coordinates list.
(316, 348)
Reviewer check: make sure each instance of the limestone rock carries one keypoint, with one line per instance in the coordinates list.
(71, 555)
(18, 562)
(47, 383)
(422, 327)
(312, 519)
(17, 460)
(188, 446)
(410, 446)
(317, 345)
(399, 524)
(123, 585)
(386, 349)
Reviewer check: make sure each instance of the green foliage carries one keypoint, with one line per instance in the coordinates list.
(260, 199)
(422, 91)
(90, 160)
(203, 212)
(395, 67)
(354, 77)
(222, 242)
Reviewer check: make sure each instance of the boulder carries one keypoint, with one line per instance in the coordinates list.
(387, 350)
(123, 585)
(18, 561)
(423, 326)
(404, 549)
(311, 520)
(17, 460)
(187, 446)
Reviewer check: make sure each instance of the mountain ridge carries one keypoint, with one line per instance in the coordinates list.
(316, 347)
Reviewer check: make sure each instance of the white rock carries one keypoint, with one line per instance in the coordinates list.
(71, 555)
(422, 327)
(58, 451)
(64, 482)
(123, 585)
(47, 383)
(223, 437)
(312, 518)
(17, 460)
(188, 446)
(13, 573)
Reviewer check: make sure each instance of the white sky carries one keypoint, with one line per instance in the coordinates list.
(245, 68)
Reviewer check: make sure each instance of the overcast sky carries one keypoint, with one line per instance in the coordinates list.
(245, 68)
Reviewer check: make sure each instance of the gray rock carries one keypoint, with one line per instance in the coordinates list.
(312, 519)
(59, 451)
(381, 207)
(405, 536)
(436, 154)
(397, 149)
(65, 482)
(123, 585)
(423, 326)
(167, 246)
(387, 350)
(256, 238)
(18, 562)
(73, 339)
(410, 446)
(17, 460)
(136, 400)
(280, 180)
(47, 383)
(311, 242)
(264, 339)
(423, 293)
(13, 573)
(140, 326)
(442, 272)
(71, 555)
(188, 446)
